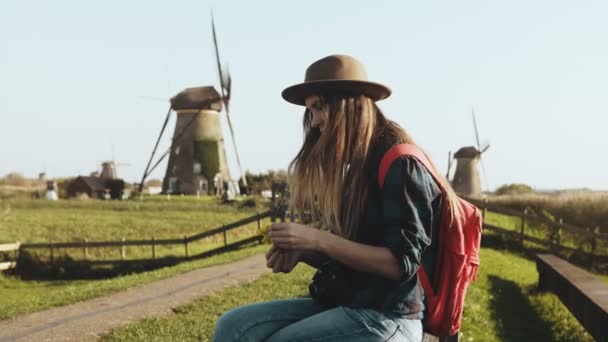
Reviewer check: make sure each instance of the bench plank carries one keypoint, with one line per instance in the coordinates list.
(581, 292)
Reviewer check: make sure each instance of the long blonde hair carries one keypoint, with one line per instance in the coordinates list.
(327, 180)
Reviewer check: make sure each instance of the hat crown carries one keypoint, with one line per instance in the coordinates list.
(336, 67)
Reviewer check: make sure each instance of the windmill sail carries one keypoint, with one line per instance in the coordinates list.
(146, 173)
(481, 150)
(225, 84)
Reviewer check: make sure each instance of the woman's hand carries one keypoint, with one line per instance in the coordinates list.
(294, 236)
(282, 260)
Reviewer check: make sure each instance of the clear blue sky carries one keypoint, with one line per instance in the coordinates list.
(73, 74)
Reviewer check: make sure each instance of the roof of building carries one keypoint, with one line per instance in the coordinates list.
(197, 98)
(95, 183)
(467, 152)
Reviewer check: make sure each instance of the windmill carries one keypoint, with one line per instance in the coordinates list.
(197, 156)
(466, 180)
(108, 167)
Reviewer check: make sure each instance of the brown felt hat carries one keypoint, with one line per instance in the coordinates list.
(335, 75)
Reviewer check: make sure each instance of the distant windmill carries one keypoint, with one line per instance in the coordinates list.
(197, 155)
(108, 167)
(466, 180)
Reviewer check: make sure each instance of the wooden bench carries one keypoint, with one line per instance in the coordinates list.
(581, 292)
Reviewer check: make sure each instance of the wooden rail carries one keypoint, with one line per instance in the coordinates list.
(582, 293)
(9, 247)
(150, 242)
(539, 219)
(7, 265)
(556, 229)
(84, 245)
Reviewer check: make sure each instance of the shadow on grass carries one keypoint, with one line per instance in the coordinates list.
(31, 267)
(516, 318)
(66, 268)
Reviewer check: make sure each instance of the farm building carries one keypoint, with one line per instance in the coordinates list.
(95, 187)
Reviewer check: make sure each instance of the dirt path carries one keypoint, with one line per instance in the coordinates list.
(87, 320)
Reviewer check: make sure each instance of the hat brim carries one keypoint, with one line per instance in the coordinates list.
(298, 93)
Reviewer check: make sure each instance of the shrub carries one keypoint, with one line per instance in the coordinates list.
(514, 189)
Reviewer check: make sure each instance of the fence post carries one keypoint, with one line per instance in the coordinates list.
(484, 208)
(259, 223)
(122, 249)
(523, 227)
(52, 254)
(85, 251)
(17, 253)
(558, 232)
(225, 239)
(595, 232)
(186, 244)
(153, 248)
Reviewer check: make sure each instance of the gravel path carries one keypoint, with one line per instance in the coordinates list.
(87, 320)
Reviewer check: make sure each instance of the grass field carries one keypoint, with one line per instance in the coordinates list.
(502, 305)
(20, 297)
(582, 208)
(578, 244)
(505, 288)
(72, 220)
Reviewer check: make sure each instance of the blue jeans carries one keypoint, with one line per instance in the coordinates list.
(302, 319)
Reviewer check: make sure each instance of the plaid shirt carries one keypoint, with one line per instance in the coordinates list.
(401, 217)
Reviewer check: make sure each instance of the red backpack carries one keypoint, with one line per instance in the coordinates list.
(457, 257)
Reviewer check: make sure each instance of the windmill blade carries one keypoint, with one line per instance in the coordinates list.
(217, 58)
(225, 86)
(447, 175)
(484, 147)
(476, 131)
(481, 150)
(162, 130)
(227, 82)
(485, 175)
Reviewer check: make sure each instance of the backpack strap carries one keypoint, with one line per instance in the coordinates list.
(387, 160)
(404, 150)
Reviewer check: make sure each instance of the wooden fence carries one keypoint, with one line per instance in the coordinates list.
(7, 248)
(153, 243)
(557, 228)
(591, 236)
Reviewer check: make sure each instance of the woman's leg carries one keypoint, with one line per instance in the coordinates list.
(256, 322)
(353, 325)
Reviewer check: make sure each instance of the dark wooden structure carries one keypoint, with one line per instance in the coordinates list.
(582, 293)
(95, 187)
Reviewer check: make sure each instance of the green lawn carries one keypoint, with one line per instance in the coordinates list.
(71, 220)
(501, 306)
(95, 220)
(20, 297)
(577, 245)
